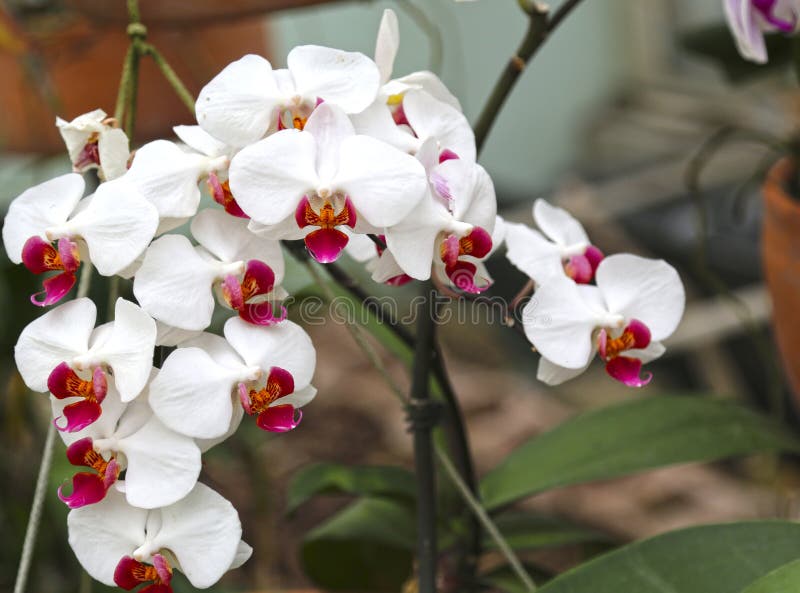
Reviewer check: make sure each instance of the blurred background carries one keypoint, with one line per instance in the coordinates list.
(606, 121)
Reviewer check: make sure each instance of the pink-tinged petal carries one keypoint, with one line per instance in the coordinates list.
(602, 343)
(640, 332)
(626, 370)
(262, 314)
(88, 157)
(282, 379)
(123, 574)
(156, 588)
(111, 473)
(244, 397)
(55, 289)
(478, 243)
(594, 255)
(258, 279)
(462, 275)
(441, 188)
(221, 193)
(39, 256)
(279, 418)
(77, 451)
(399, 116)
(348, 214)
(162, 568)
(232, 292)
(398, 280)
(447, 155)
(87, 488)
(68, 252)
(326, 245)
(579, 269)
(450, 250)
(99, 384)
(63, 382)
(79, 415)
(304, 214)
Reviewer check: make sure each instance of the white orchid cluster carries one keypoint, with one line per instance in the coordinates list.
(332, 151)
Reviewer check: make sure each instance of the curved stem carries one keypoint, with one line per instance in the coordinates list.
(539, 29)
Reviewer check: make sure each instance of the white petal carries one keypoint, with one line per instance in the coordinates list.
(551, 374)
(168, 335)
(285, 345)
(113, 150)
(102, 428)
(376, 121)
(243, 553)
(168, 176)
(426, 81)
(169, 224)
(101, 534)
(387, 44)
(218, 348)
(236, 420)
(197, 138)
(162, 465)
(412, 242)
(192, 394)
(76, 132)
(203, 531)
(645, 289)
(270, 177)
(383, 183)
(42, 206)
(558, 224)
(237, 105)
(349, 80)
(117, 226)
(472, 192)
(430, 117)
(653, 351)
(385, 267)
(174, 283)
(229, 239)
(532, 254)
(746, 32)
(361, 248)
(330, 126)
(286, 229)
(55, 337)
(559, 323)
(129, 349)
(299, 398)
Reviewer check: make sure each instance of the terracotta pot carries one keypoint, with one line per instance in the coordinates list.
(780, 251)
(76, 67)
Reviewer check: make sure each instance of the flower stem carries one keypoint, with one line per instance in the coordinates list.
(37, 505)
(422, 422)
(540, 25)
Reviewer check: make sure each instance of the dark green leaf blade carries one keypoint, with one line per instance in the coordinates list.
(334, 478)
(366, 547)
(634, 436)
(525, 531)
(707, 559)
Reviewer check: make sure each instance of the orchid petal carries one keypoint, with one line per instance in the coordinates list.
(532, 254)
(76, 133)
(376, 121)
(114, 153)
(745, 29)
(197, 138)
(237, 106)
(37, 208)
(645, 289)
(387, 44)
(472, 192)
(349, 80)
(330, 126)
(430, 117)
(558, 224)
(425, 81)
(552, 374)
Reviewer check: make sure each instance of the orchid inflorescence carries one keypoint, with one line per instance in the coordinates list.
(332, 151)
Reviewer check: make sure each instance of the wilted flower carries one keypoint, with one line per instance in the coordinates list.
(94, 142)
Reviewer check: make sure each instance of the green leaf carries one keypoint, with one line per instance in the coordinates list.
(524, 531)
(707, 559)
(716, 43)
(785, 579)
(637, 435)
(333, 478)
(366, 547)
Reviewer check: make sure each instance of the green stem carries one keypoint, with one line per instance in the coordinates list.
(122, 93)
(539, 29)
(171, 76)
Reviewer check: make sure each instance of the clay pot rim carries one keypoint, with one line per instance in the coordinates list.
(776, 181)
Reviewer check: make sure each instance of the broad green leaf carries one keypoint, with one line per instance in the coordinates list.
(366, 547)
(716, 43)
(333, 478)
(637, 435)
(707, 559)
(785, 579)
(524, 531)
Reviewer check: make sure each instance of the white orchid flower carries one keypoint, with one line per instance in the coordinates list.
(248, 98)
(94, 142)
(637, 302)
(62, 352)
(116, 224)
(175, 281)
(119, 544)
(161, 466)
(750, 19)
(561, 248)
(325, 176)
(168, 176)
(268, 369)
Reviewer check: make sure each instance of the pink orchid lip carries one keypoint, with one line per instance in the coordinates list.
(55, 289)
(262, 313)
(450, 250)
(627, 370)
(399, 280)
(594, 256)
(130, 573)
(326, 245)
(221, 193)
(39, 257)
(579, 269)
(64, 383)
(399, 116)
(79, 415)
(282, 418)
(447, 155)
(259, 279)
(765, 8)
(88, 488)
(272, 418)
(462, 275)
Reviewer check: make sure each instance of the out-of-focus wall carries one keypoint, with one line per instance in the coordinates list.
(534, 140)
